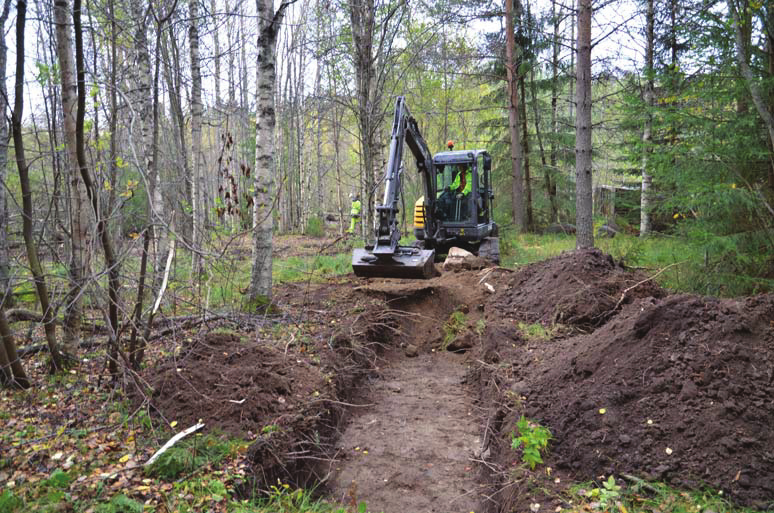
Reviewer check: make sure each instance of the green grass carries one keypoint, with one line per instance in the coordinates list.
(646, 497)
(682, 265)
(315, 268)
(191, 454)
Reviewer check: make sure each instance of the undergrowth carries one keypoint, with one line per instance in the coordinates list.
(701, 263)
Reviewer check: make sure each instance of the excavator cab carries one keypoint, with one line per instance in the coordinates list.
(462, 220)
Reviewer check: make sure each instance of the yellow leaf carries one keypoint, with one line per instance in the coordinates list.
(124, 458)
(173, 423)
(675, 216)
(602, 411)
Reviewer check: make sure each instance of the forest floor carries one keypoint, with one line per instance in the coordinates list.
(405, 396)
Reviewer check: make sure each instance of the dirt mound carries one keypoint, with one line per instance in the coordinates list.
(579, 288)
(235, 384)
(678, 389)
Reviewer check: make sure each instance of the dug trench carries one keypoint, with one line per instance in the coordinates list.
(354, 390)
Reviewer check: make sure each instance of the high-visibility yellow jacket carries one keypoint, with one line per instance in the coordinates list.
(462, 183)
(355, 210)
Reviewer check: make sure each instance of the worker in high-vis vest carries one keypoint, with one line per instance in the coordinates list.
(354, 213)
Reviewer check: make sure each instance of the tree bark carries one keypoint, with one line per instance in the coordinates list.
(583, 157)
(552, 172)
(11, 369)
(197, 174)
(269, 22)
(747, 74)
(525, 140)
(647, 179)
(6, 288)
(57, 360)
(71, 333)
(111, 262)
(517, 184)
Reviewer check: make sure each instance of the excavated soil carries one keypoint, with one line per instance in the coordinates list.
(413, 445)
(356, 373)
(678, 388)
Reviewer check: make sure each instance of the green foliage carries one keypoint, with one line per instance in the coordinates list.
(283, 498)
(120, 504)
(606, 495)
(453, 327)
(315, 227)
(189, 455)
(536, 331)
(315, 268)
(532, 438)
(9, 502)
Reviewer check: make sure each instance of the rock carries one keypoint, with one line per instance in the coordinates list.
(461, 260)
(625, 439)
(411, 351)
(461, 342)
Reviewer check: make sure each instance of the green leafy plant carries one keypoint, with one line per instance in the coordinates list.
(120, 504)
(608, 494)
(532, 438)
(453, 327)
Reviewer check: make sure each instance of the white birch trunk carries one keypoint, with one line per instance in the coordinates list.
(259, 291)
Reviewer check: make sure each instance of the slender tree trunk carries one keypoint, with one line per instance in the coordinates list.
(199, 195)
(103, 232)
(647, 179)
(583, 158)
(216, 42)
(78, 221)
(553, 164)
(6, 289)
(269, 22)
(527, 174)
(749, 77)
(517, 184)
(362, 17)
(57, 360)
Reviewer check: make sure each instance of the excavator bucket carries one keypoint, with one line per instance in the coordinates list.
(407, 262)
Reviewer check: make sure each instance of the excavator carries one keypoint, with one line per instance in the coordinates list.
(455, 210)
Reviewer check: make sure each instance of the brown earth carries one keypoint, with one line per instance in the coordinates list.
(686, 373)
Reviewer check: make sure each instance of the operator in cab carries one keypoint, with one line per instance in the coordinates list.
(453, 199)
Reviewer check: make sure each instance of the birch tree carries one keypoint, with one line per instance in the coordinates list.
(269, 22)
